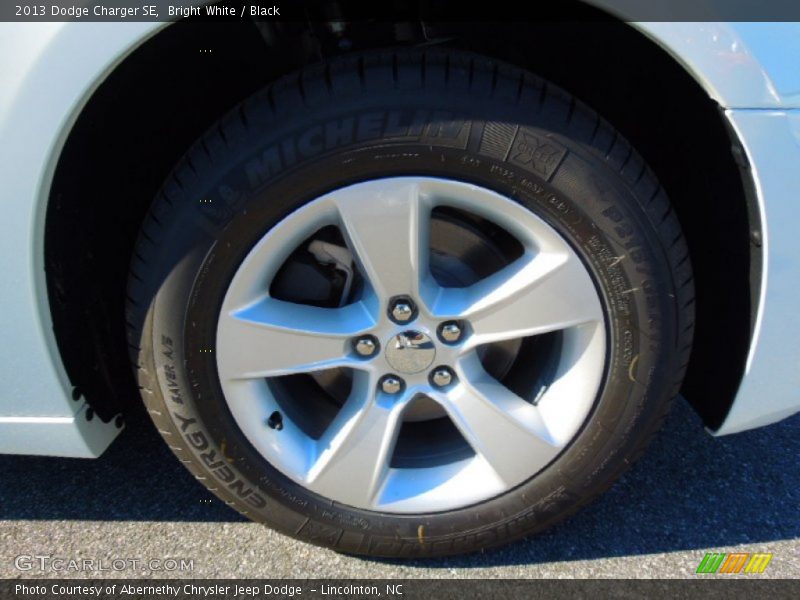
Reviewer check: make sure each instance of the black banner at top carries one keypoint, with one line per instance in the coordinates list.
(398, 10)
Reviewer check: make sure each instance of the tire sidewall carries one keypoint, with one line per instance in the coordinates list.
(567, 184)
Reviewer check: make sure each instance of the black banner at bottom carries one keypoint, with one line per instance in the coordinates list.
(400, 589)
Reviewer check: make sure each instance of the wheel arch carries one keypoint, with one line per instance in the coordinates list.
(138, 105)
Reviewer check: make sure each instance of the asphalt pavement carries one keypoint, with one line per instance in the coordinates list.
(690, 494)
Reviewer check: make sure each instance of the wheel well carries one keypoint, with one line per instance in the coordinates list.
(167, 92)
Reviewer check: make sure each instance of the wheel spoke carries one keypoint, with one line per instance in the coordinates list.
(387, 227)
(537, 293)
(573, 388)
(272, 337)
(354, 452)
(503, 429)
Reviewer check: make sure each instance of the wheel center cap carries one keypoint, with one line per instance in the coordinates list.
(410, 352)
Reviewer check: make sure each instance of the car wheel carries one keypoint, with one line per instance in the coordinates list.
(410, 303)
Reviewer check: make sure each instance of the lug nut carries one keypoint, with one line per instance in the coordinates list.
(402, 311)
(450, 332)
(366, 346)
(391, 384)
(442, 377)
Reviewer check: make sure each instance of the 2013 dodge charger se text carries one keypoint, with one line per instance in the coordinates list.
(397, 288)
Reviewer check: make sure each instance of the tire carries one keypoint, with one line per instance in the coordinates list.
(503, 131)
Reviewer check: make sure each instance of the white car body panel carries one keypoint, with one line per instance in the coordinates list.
(48, 71)
(67, 61)
(727, 60)
(770, 390)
